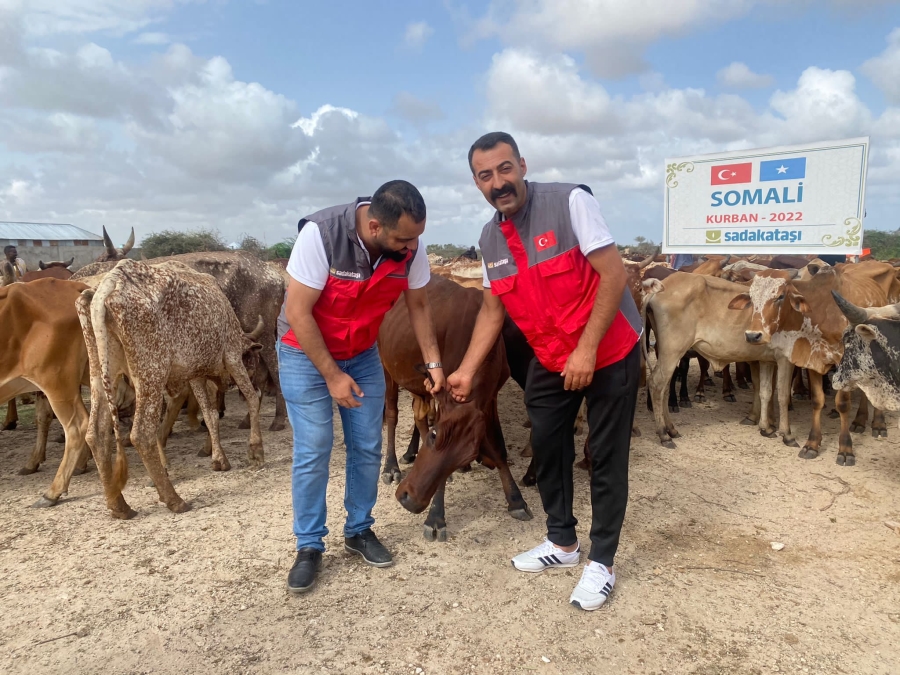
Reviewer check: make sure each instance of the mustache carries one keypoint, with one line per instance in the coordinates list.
(508, 189)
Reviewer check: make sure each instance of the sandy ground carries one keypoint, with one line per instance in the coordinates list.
(700, 589)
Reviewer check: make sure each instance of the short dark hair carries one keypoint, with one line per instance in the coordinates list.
(395, 198)
(490, 141)
(7, 249)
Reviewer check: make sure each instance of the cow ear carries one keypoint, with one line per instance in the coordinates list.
(741, 301)
(866, 332)
(798, 302)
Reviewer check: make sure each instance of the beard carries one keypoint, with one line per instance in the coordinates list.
(390, 254)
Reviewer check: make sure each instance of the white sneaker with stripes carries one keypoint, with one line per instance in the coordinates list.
(596, 584)
(544, 556)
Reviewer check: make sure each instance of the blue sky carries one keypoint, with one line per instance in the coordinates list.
(180, 114)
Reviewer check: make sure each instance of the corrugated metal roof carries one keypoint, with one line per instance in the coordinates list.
(50, 231)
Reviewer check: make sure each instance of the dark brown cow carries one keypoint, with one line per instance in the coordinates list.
(462, 432)
(48, 273)
(800, 321)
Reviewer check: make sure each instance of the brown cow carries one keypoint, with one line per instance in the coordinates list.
(802, 323)
(462, 432)
(165, 327)
(41, 348)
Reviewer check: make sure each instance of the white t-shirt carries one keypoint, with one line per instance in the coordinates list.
(309, 264)
(587, 222)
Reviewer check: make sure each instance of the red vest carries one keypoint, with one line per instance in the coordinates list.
(547, 285)
(355, 299)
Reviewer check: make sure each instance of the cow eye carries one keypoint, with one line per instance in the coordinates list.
(432, 435)
(779, 298)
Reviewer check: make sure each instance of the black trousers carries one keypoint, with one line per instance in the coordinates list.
(611, 400)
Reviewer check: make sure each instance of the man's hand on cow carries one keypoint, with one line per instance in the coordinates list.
(460, 384)
(579, 370)
(342, 387)
(440, 382)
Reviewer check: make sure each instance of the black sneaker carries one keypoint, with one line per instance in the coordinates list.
(302, 576)
(373, 552)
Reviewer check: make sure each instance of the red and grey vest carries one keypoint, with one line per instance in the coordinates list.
(356, 297)
(536, 268)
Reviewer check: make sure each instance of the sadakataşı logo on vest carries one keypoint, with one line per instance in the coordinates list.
(342, 273)
(492, 265)
(758, 235)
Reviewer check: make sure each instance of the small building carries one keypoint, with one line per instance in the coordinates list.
(51, 241)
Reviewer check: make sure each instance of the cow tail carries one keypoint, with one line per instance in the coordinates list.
(101, 333)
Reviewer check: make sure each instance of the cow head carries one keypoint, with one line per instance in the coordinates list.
(871, 359)
(777, 306)
(251, 348)
(65, 264)
(113, 253)
(453, 442)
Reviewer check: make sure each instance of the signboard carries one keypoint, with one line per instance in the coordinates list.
(804, 199)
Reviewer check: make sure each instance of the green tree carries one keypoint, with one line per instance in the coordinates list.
(884, 245)
(282, 249)
(174, 242)
(448, 250)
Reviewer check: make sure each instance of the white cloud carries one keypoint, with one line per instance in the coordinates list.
(417, 34)
(738, 75)
(152, 39)
(51, 17)
(884, 70)
(414, 109)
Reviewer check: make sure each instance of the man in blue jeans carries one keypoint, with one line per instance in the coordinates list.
(348, 267)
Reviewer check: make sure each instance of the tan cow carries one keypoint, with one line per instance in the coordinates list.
(165, 327)
(41, 348)
(800, 321)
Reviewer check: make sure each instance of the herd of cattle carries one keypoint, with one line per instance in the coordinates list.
(150, 338)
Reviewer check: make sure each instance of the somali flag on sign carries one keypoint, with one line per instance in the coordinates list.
(783, 169)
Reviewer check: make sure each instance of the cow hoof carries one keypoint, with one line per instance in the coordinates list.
(790, 442)
(685, 403)
(277, 425)
(521, 514)
(25, 471)
(409, 457)
(808, 453)
(674, 409)
(635, 432)
(699, 398)
(528, 481)
(390, 476)
(730, 398)
(768, 433)
(709, 382)
(743, 385)
(10, 427)
(44, 503)
(846, 460)
(879, 433)
(431, 533)
(747, 422)
(124, 515)
(857, 429)
(834, 414)
(668, 443)
(224, 465)
(180, 506)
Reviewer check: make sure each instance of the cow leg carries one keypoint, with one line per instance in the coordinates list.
(391, 472)
(813, 446)
(74, 418)
(528, 451)
(766, 428)
(585, 462)
(173, 409)
(858, 425)
(192, 409)
(271, 360)
(704, 371)
(845, 455)
(421, 410)
(42, 417)
(742, 375)
(497, 455)
(659, 377)
(879, 428)
(238, 373)
(783, 389)
(728, 384)
(684, 398)
(800, 391)
(673, 399)
(753, 418)
(435, 528)
(12, 415)
(205, 392)
(144, 432)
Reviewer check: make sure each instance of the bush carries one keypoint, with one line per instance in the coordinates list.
(449, 251)
(173, 242)
(884, 245)
(282, 249)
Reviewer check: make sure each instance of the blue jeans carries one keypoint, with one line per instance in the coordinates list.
(309, 407)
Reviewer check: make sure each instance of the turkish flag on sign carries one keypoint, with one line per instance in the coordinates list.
(731, 173)
(544, 241)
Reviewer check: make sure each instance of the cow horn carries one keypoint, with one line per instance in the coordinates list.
(128, 244)
(108, 243)
(71, 261)
(855, 315)
(725, 261)
(649, 259)
(793, 273)
(258, 331)
(42, 265)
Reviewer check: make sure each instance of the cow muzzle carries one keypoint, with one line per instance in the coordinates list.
(754, 337)
(408, 503)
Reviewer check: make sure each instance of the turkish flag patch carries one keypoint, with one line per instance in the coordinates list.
(544, 241)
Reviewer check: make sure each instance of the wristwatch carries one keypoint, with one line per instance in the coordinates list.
(434, 364)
